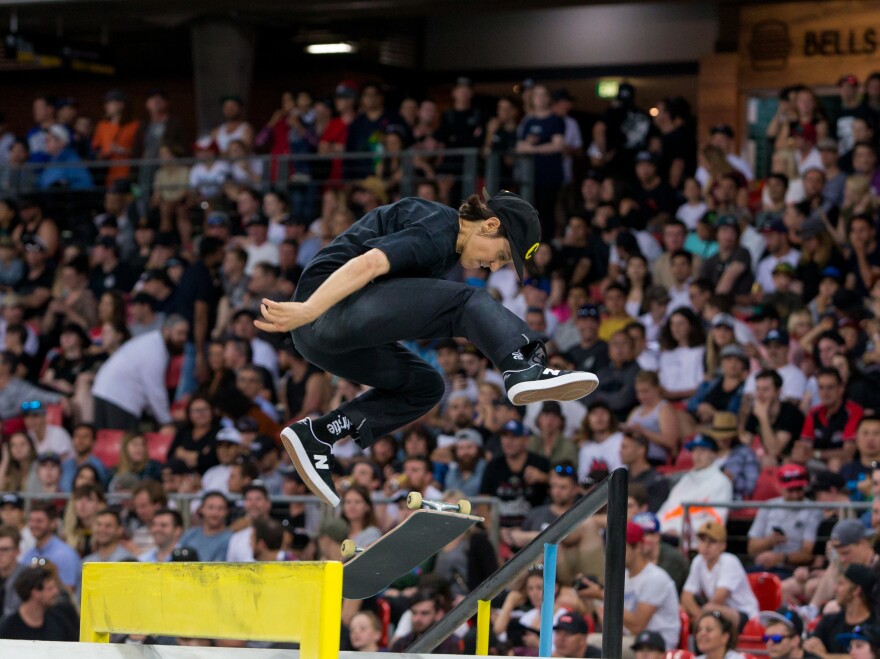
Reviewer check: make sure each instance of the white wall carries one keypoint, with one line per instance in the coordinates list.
(574, 36)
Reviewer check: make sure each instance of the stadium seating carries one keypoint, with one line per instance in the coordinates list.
(768, 589)
(108, 445)
(157, 445)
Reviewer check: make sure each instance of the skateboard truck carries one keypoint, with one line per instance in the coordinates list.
(350, 549)
(414, 501)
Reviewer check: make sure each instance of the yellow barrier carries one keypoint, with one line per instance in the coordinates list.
(280, 602)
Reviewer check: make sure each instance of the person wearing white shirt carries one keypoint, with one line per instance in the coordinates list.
(229, 444)
(257, 505)
(166, 530)
(45, 437)
(722, 136)
(133, 379)
(682, 346)
(257, 245)
(794, 382)
(717, 580)
(779, 251)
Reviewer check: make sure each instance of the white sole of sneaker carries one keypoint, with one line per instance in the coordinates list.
(306, 469)
(573, 386)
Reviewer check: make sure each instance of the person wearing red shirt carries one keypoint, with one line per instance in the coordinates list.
(116, 135)
(336, 134)
(831, 426)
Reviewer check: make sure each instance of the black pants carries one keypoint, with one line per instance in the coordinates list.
(110, 415)
(358, 340)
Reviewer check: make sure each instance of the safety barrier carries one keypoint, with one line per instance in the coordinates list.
(277, 602)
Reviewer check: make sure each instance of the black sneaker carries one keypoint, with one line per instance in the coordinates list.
(535, 383)
(312, 459)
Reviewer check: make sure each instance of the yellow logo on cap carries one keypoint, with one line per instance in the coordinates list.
(532, 250)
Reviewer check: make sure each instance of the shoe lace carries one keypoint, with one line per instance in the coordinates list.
(538, 354)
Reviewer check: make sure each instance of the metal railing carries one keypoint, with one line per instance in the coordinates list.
(612, 491)
(290, 173)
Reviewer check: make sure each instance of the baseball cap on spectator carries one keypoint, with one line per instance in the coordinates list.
(825, 481)
(515, 428)
(648, 522)
(247, 424)
(721, 129)
(255, 485)
(727, 221)
(774, 225)
(724, 426)
(702, 441)
(735, 350)
(229, 435)
(32, 407)
(542, 284)
(863, 577)
(49, 456)
(812, 227)
(373, 185)
(646, 156)
(12, 499)
(115, 95)
(334, 528)
(867, 632)
(571, 623)
(713, 531)
(650, 641)
(262, 446)
(59, 132)
(776, 336)
(345, 89)
(845, 322)
(552, 407)
(634, 533)
(764, 312)
(792, 475)
(588, 311)
(469, 435)
(723, 319)
(218, 219)
(830, 272)
(848, 532)
(783, 268)
(827, 144)
(145, 298)
(35, 244)
(156, 274)
(784, 615)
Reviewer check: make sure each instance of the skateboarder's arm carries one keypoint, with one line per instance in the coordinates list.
(351, 277)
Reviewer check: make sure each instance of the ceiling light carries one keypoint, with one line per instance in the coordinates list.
(329, 48)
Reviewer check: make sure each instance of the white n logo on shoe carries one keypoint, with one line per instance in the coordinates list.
(550, 371)
(321, 461)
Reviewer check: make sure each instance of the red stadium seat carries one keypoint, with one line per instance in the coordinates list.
(684, 461)
(157, 445)
(107, 446)
(54, 415)
(385, 618)
(768, 589)
(685, 630)
(679, 654)
(752, 637)
(767, 486)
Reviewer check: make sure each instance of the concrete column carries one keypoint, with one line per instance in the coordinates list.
(223, 62)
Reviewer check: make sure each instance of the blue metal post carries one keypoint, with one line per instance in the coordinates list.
(546, 638)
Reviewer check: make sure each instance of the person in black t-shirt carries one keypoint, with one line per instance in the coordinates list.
(730, 269)
(853, 595)
(38, 618)
(382, 281)
(592, 352)
(777, 423)
(517, 477)
(36, 287)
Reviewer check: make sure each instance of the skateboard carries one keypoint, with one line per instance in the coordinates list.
(426, 531)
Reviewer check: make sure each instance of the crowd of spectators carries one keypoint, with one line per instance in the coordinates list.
(732, 323)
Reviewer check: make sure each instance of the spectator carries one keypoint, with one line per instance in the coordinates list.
(426, 608)
(210, 538)
(591, 353)
(468, 466)
(46, 437)
(794, 383)
(79, 515)
(116, 136)
(357, 511)
(550, 442)
(653, 195)
(633, 455)
(194, 444)
(83, 442)
(649, 645)
(716, 637)
(779, 250)
(147, 498)
(106, 535)
(257, 505)
(228, 445)
(133, 379)
(781, 539)
(669, 558)
(853, 594)
(616, 381)
(37, 618)
(654, 419)
(830, 427)
(42, 524)
(365, 632)
(166, 530)
(48, 474)
(267, 539)
(721, 136)
(109, 272)
(208, 175)
(570, 635)
(858, 472)
(234, 127)
(863, 266)
(717, 580)
(66, 170)
(783, 631)
(12, 514)
(775, 423)
(723, 393)
(681, 355)
(705, 482)
(10, 568)
(602, 440)
(519, 478)
(372, 120)
(730, 269)
(650, 597)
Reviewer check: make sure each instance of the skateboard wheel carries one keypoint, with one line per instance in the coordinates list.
(348, 548)
(464, 506)
(414, 500)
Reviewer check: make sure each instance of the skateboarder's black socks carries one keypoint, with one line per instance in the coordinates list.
(332, 427)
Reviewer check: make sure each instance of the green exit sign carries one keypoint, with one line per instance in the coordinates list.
(607, 89)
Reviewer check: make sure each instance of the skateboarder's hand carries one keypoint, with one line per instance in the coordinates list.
(283, 316)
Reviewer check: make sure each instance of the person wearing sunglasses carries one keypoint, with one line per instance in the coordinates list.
(864, 641)
(783, 629)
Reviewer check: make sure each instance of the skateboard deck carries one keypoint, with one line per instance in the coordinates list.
(403, 548)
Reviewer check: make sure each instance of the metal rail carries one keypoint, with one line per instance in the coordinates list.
(613, 486)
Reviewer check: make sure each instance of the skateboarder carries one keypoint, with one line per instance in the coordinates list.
(381, 282)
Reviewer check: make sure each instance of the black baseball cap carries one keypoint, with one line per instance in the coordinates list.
(520, 220)
(651, 640)
(571, 623)
(12, 499)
